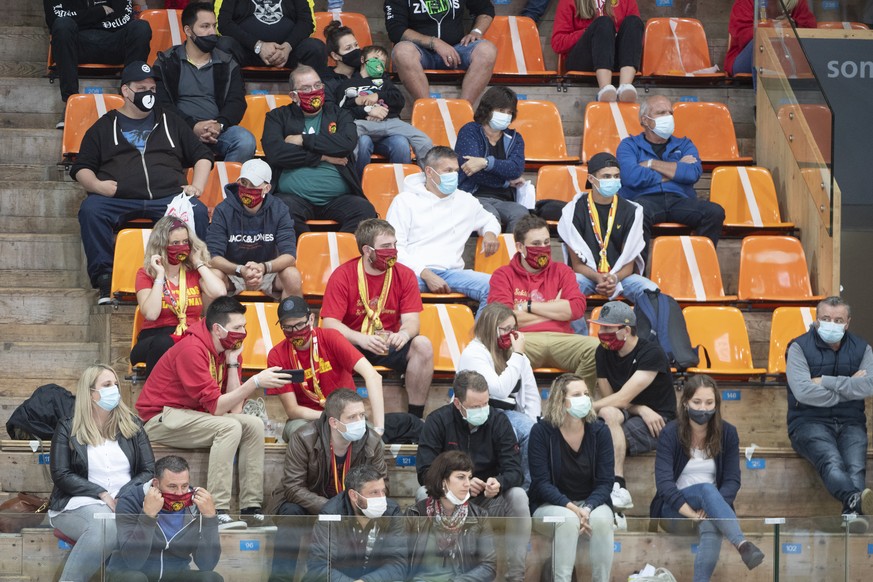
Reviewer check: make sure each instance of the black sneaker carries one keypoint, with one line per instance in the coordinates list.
(253, 517)
(225, 521)
(104, 286)
(751, 555)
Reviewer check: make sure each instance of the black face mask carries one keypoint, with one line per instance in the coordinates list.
(144, 100)
(206, 43)
(700, 417)
(352, 58)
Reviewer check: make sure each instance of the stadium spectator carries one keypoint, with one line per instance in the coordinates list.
(312, 143)
(659, 171)
(432, 218)
(361, 86)
(88, 32)
(545, 298)
(368, 515)
(204, 86)
(132, 163)
(491, 156)
(697, 474)
(741, 29)
(327, 360)
(374, 302)
(534, 9)
(571, 478)
(251, 237)
(431, 36)
(830, 377)
(603, 37)
(452, 536)
(193, 399)
(170, 288)
(270, 33)
(468, 424)
(163, 527)
(318, 461)
(98, 455)
(635, 388)
(604, 236)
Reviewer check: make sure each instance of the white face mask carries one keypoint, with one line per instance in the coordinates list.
(500, 121)
(664, 126)
(376, 507)
(454, 499)
(355, 430)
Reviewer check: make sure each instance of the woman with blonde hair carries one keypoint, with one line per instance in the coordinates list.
(171, 287)
(572, 471)
(99, 454)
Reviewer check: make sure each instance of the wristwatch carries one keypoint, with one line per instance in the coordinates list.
(368, 108)
(238, 270)
(258, 47)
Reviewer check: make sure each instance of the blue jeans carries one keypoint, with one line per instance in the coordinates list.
(722, 521)
(535, 9)
(235, 144)
(471, 283)
(95, 540)
(431, 60)
(633, 288)
(522, 425)
(838, 451)
(395, 147)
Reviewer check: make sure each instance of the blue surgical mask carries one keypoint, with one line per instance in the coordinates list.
(109, 397)
(355, 430)
(608, 187)
(580, 406)
(664, 126)
(448, 183)
(830, 332)
(499, 120)
(477, 416)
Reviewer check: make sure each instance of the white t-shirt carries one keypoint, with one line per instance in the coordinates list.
(108, 467)
(700, 469)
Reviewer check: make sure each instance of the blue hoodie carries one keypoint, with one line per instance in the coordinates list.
(498, 173)
(637, 180)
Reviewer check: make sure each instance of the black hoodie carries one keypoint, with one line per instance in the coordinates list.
(89, 14)
(447, 25)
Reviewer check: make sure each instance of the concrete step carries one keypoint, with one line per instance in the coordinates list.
(23, 43)
(31, 172)
(36, 363)
(23, 13)
(40, 251)
(39, 96)
(43, 200)
(45, 314)
(31, 146)
(47, 278)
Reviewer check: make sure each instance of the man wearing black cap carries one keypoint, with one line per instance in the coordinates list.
(328, 360)
(133, 162)
(604, 233)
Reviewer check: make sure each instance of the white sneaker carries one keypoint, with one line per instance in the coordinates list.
(607, 94)
(621, 498)
(627, 93)
(225, 521)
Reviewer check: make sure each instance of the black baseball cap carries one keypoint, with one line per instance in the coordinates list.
(136, 71)
(293, 307)
(600, 161)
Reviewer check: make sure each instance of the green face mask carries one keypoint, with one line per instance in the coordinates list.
(375, 67)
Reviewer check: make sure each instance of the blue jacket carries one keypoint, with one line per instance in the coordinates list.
(498, 173)
(638, 181)
(672, 458)
(544, 455)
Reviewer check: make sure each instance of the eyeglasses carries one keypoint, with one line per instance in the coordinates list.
(506, 330)
(310, 88)
(300, 326)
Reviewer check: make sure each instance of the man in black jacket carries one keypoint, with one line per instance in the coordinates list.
(162, 525)
(203, 85)
(469, 424)
(312, 143)
(368, 543)
(93, 31)
(270, 33)
(132, 163)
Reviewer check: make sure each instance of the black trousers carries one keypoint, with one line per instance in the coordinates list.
(151, 345)
(704, 217)
(72, 45)
(310, 51)
(182, 576)
(600, 47)
(293, 532)
(348, 210)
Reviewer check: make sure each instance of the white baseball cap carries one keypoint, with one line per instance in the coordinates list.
(256, 171)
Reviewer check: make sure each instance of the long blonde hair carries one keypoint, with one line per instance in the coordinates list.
(554, 410)
(160, 238)
(587, 9)
(485, 331)
(85, 427)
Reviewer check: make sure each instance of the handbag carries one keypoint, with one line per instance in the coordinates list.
(181, 208)
(25, 510)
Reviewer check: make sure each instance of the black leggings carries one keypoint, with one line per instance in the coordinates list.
(600, 48)
(151, 344)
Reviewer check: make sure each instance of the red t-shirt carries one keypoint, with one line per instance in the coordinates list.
(342, 300)
(167, 317)
(336, 362)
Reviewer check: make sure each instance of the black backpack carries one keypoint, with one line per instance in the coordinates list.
(38, 416)
(660, 319)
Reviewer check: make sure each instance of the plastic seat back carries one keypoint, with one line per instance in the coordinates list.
(166, 28)
(82, 111)
(222, 174)
(138, 320)
(130, 245)
(441, 119)
(722, 332)
(788, 323)
(748, 196)
(262, 333)
(560, 182)
(357, 22)
(711, 128)
(449, 328)
(686, 268)
(606, 124)
(773, 268)
(676, 47)
(539, 123)
(319, 254)
(382, 182)
(502, 257)
(594, 328)
(257, 107)
(519, 51)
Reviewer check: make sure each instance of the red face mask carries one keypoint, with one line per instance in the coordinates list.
(177, 501)
(311, 102)
(178, 253)
(610, 341)
(538, 257)
(299, 338)
(384, 259)
(233, 340)
(504, 342)
(250, 197)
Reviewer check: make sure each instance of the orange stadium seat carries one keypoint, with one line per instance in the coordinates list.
(686, 268)
(502, 257)
(130, 245)
(519, 53)
(262, 333)
(774, 268)
(711, 128)
(136, 368)
(222, 174)
(722, 333)
(560, 182)
(788, 323)
(82, 111)
(539, 123)
(441, 119)
(450, 329)
(606, 124)
(844, 25)
(593, 328)
(382, 182)
(166, 28)
(748, 196)
(257, 107)
(320, 253)
(357, 22)
(677, 47)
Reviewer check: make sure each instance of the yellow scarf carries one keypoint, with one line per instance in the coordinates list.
(603, 264)
(179, 307)
(372, 322)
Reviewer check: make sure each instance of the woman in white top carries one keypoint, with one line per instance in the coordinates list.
(98, 454)
(497, 352)
(697, 474)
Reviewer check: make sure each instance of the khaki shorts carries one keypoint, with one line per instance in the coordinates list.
(267, 285)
